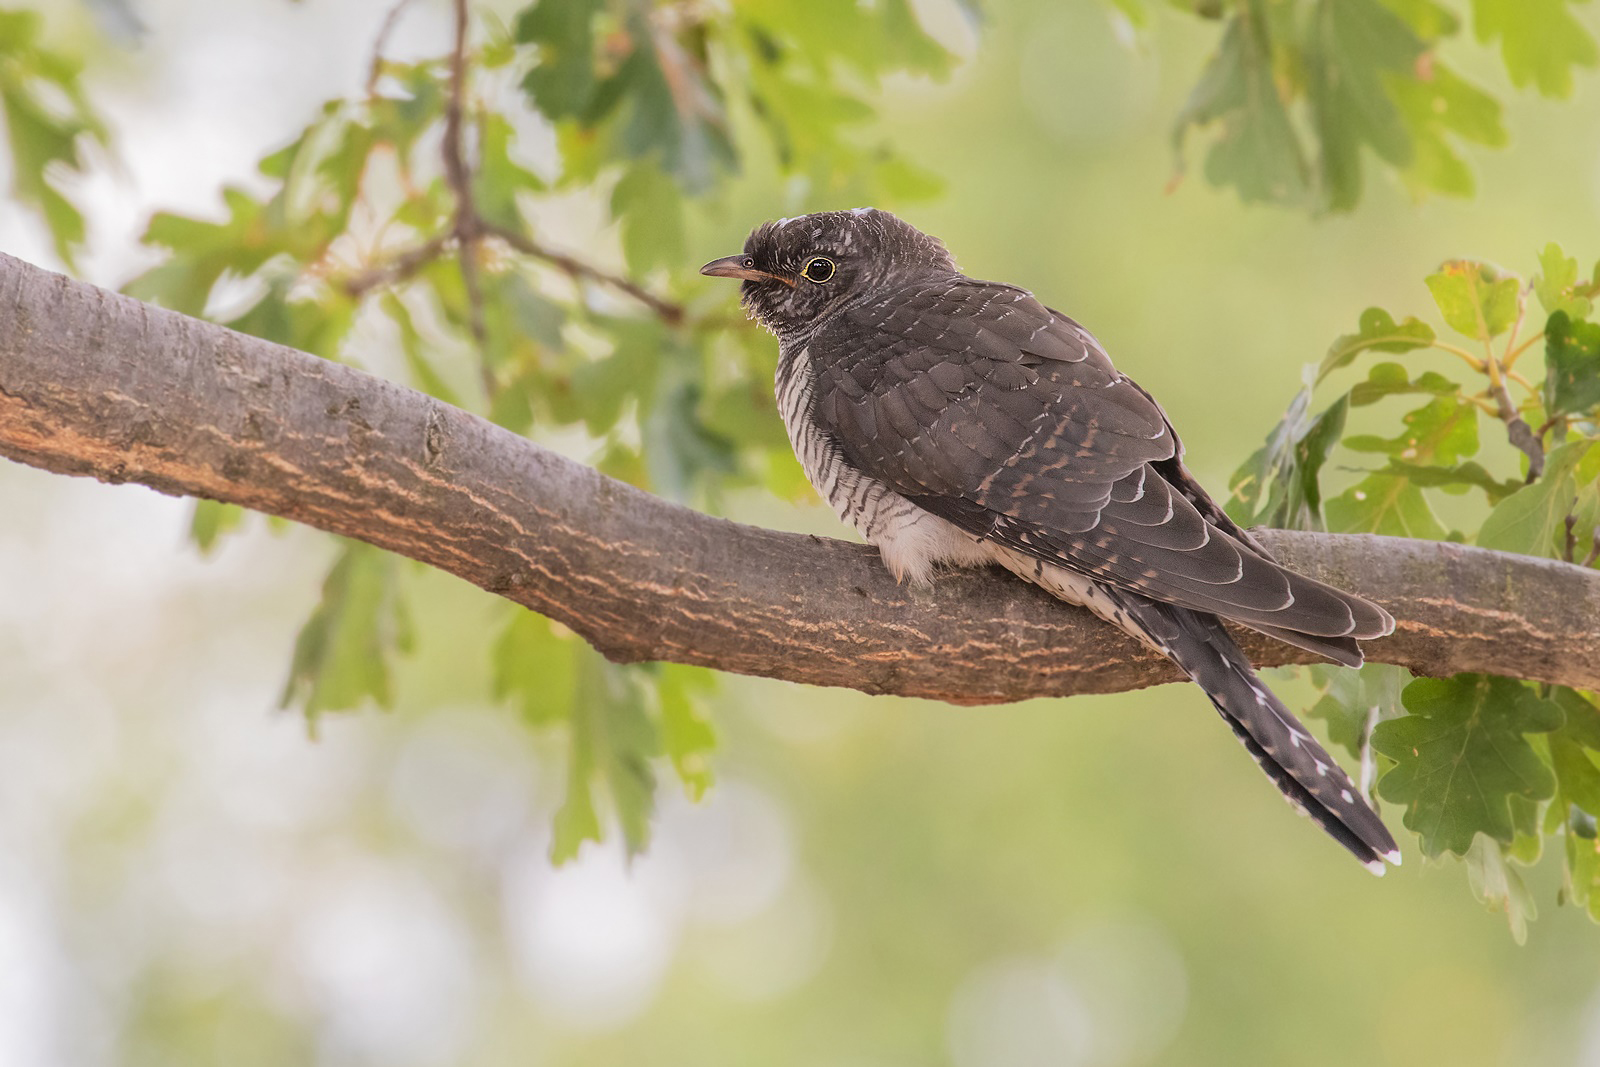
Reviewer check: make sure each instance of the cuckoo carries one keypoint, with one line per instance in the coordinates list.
(958, 422)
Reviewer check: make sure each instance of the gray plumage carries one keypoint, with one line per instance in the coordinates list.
(961, 422)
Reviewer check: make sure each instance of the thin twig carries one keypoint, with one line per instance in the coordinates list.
(671, 313)
(1516, 426)
(399, 268)
(467, 226)
(1570, 549)
(380, 43)
(1594, 552)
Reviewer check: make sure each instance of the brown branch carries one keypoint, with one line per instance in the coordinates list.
(93, 383)
(578, 270)
(397, 269)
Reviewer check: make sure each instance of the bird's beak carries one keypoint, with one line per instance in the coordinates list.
(739, 267)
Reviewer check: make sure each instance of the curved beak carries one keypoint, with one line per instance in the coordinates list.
(737, 267)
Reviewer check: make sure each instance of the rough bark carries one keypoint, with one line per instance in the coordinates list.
(94, 383)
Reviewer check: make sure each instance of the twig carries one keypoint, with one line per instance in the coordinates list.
(1571, 547)
(1594, 551)
(399, 268)
(574, 268)
(1516, 426)
(467, 226)
(381, 42)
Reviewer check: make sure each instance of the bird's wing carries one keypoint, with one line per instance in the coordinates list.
(988, 409)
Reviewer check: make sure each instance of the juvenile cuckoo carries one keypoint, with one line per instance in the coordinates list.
(960, 422)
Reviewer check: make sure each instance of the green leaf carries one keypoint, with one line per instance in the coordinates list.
(1255, 150)
(1279, 484)
(212, 519)
(1572, 365)
(1435, 101)
(1461, 755)
(1445, 430)
(612, 744)
(685, 733)
(1540, 40)
(1354, 701)
(48, 118)
(1456, 479)
(1555, 282)
(1530, 520)
(1478, 300)
(1386, 504)
(1379, 333)
(1390, 379)
(562, 82)
(499, 179)
(1498, 885)
(536, 668)
(343, 653)
(1352, 48)
(1577, 777)
(650, 210)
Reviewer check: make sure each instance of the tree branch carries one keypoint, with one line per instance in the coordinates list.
(93, 383)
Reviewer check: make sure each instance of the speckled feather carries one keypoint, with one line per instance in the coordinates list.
(955, 421)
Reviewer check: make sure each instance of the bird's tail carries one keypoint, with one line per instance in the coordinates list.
(1301, 768)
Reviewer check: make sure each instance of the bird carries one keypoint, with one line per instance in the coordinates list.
(955, 422)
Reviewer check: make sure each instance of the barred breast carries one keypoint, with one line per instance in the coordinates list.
(912, 541)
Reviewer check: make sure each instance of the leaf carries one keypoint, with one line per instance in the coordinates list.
(1461, 754)
(48, 118)
(1255, 150)
(1456, 479)
(1577, 777)
(650, 211)
(1435, 101)
(1478, 300)
(1445, 430)
(1529, 520)
(1286, 470)
(1572, 365)
(343, 653)
(1354, 701)
(1390, 379)
(1498, 885)
(1352, 47)
(1386, 504)
(612, 743)
(212, 519)
(1555, 282)
(685, 733)
(536, 668)
(1379, 333)
(562, 82)
(1540, 41)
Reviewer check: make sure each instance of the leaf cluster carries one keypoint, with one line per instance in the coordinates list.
(1485, 767)
(417, 212)
(1301, 93)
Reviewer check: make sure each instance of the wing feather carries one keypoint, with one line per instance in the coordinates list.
(1008, 419)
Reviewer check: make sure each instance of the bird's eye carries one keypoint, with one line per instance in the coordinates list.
(749, 262)
(818, 269)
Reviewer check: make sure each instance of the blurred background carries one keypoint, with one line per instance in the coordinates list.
(187, 875)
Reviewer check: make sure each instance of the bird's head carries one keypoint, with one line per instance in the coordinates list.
(797, 271)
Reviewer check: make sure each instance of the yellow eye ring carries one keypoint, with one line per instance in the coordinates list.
(818, 269)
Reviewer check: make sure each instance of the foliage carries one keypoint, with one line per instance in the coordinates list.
(48, 118)
(415, 206)
(416, 210)
(1483, 766)
(1300, 91)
